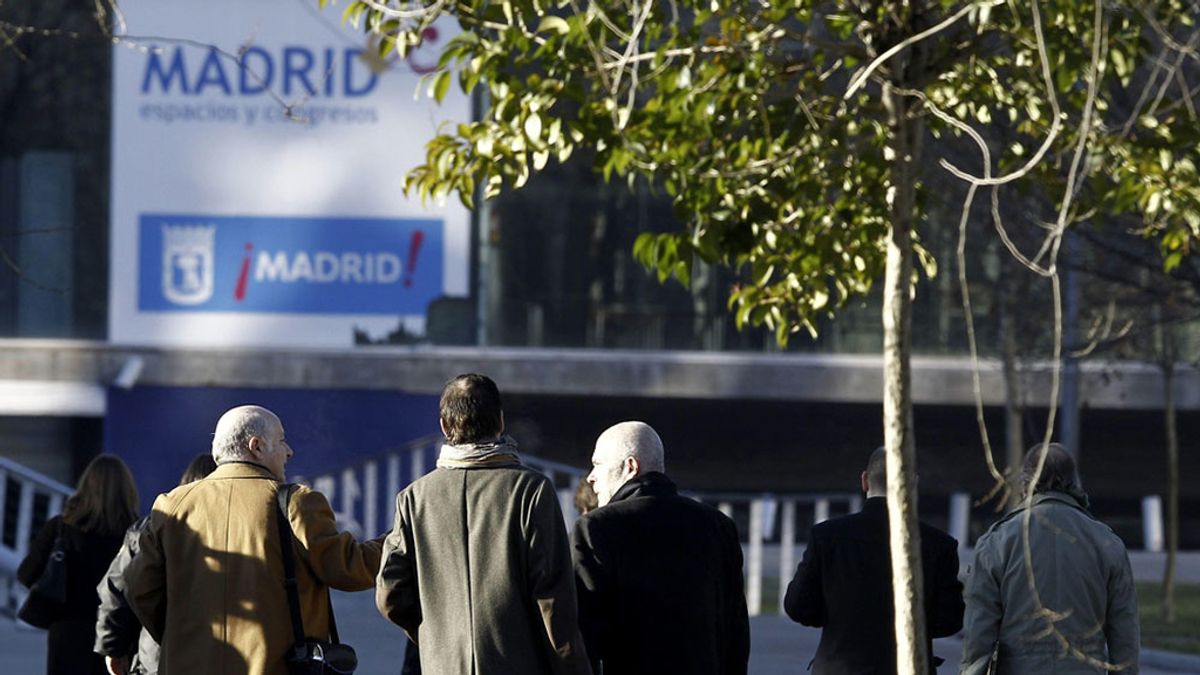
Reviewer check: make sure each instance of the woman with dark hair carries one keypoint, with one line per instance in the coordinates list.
(91, 526)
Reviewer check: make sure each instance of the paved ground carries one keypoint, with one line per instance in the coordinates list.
(780, 647)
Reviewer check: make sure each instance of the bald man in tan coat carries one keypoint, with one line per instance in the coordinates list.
(208, 581)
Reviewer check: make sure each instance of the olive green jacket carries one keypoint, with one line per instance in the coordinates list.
(1082, 575)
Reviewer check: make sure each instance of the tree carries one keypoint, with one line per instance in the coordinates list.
(790, 137)
(1150, 304)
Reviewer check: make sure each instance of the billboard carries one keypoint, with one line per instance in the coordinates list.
(257, 161)
(338, 432)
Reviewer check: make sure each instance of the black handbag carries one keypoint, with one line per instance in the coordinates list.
(308, 656)
(47, 599)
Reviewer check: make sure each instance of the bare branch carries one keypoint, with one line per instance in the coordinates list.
(422, 13)
(1056, 119)
(860, 78)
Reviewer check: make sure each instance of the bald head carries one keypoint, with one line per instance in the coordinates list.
(633, 439)
(251, 433)
(874, 479)
(624, 451)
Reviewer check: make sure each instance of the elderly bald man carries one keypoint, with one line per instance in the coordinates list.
(659, 575)
(208, 581)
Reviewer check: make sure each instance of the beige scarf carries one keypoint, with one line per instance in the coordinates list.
(499, 452)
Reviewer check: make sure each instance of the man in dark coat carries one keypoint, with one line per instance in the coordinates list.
(659, 575)
(844, 586)
(126, 646)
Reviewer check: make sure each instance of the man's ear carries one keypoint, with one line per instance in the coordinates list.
(255, 445)
(442, 424)
(501, 423)
(633, 466)
(866, 482)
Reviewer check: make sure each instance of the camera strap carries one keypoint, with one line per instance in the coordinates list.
(286, 544)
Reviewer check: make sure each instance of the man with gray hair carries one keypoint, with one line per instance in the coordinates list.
(1084, 616)
(210, 558)
(659, 575)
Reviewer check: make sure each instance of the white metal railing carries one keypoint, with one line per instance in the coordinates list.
(363, 497)
(765, 514)
(364, 491)
(21, 485)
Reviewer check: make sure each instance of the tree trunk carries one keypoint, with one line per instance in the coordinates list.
(905, 536)
(1014, 441)
(1168, 367)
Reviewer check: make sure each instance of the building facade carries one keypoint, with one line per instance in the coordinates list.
(538, 289)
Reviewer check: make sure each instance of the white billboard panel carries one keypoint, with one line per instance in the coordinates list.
(257, 164)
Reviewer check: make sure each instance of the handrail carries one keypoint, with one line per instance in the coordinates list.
(362, 491)
(15, 533)
(545, 464)
(415, 444)
(34, 477)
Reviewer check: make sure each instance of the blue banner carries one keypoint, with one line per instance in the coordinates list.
(198, 263)
(157, 430)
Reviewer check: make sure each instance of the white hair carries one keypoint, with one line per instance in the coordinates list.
(634, 439)
(231, 440)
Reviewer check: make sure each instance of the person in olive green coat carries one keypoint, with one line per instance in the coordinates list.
(1087, 618)
(477, 569)
(208, 580)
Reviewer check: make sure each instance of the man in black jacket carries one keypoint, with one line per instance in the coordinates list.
(844, 586)
(126, 647)
(659, 575)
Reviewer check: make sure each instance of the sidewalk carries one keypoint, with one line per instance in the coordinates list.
(779, 647)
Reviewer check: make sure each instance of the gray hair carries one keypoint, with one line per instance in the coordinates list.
(634, 439)
(231, 440)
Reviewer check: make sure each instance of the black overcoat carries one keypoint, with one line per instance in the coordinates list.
(118, 631)
(844, 586)
(660, 584)
(87, 555)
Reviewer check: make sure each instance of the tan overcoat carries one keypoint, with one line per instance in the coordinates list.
(208, 580)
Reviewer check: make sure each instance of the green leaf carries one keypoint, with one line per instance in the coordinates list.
(533, 127)
(553, 24)
(353, 13)
(484, 145)
(441, 85)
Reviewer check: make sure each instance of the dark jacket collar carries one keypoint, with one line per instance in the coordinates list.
(872, 505)
(650, 484)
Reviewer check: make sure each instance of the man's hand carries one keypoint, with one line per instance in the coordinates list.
(117, 665)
